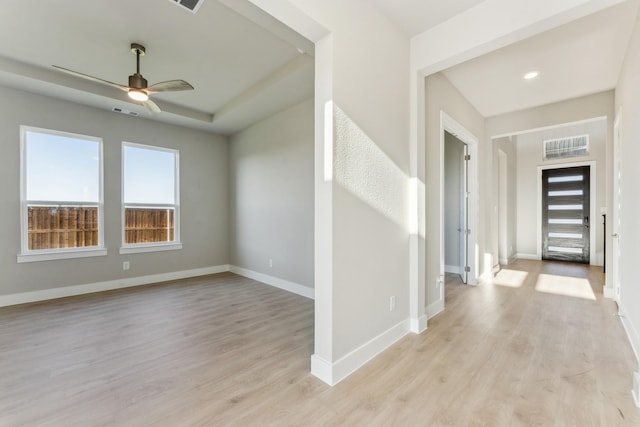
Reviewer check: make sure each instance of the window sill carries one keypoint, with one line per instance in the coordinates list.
(49, 256)
(150, 248)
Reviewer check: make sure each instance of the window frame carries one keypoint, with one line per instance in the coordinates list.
(176, 244)
(28, 255)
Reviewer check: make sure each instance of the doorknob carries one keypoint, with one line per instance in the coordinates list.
(614, 235)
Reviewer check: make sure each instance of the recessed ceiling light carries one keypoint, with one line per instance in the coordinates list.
(531, 75)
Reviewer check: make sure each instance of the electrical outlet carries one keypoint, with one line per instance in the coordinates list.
(125, 265)
(270, 263)
(392, 303)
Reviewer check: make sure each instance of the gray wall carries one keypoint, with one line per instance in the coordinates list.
(203, 193)
(271, 196)
(453, 175)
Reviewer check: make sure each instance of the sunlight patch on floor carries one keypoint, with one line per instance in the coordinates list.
(566, 286)
(510, 278)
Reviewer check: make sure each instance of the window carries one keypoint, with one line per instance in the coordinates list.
(61, 195)
(150, 198)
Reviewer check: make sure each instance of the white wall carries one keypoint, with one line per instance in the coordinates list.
(361, 179)
(271, 196)
(628, 104)
(441, 95)
(530, 157)
(453, 176)
(507, 213)
(371, 162)
(203, 194)
(362, 66)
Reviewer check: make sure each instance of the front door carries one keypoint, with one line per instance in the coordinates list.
(565, 214)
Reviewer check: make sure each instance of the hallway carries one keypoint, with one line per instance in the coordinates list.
(541, 346)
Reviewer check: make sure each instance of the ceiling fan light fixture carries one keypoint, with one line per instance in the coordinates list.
(138, 95)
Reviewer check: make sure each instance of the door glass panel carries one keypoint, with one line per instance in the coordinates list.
(565, 207)
(566, 178)
(566, 235)
(565, 193)
(565, 250)
(565, 221)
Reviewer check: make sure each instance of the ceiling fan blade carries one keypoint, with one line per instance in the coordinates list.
(152, 106)
(170, 86)
(92, 78)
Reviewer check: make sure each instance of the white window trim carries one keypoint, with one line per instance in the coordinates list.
(160, 246)
(27, 255)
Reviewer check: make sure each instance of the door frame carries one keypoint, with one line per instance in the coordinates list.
(613, 290)
(592, 204)
(449, 124)
(503, 208)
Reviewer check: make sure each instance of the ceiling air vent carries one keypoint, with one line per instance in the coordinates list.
(123, 111)
(572, 146)
(191, 5)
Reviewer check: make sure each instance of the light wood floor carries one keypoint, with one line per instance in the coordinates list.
(223, 350)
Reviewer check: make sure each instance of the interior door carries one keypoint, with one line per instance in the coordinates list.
(464, 220)
(565, 214)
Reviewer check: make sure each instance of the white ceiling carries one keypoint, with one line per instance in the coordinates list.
(417, 16)
(244, 66)
(576, 59)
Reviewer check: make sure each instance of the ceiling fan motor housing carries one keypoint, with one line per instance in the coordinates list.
(137, 81)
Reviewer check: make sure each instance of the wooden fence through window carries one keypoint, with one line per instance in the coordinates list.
(148, 225)
(56, 227)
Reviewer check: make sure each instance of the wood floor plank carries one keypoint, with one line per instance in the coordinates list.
(223, 350)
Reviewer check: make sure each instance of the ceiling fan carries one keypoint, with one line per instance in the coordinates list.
(138, 88)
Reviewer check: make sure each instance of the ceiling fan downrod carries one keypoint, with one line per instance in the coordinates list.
(136, 80)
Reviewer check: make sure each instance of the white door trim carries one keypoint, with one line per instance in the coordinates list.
(449, 124)
(592, 205)
(612, 290)
(503, 210)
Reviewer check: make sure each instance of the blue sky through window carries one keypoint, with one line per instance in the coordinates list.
(149, 175)
(62, 168)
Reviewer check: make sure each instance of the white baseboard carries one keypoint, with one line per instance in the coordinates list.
(333, 373)
(632, 333)
(419, 325)
(636, 388)
(67, 291)
(453, 269)
(485, 278)
(296, 288)
(509, 260)
(609, 292)
(434, 308)
(534, 257)
(634, 340)
(322, 369)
